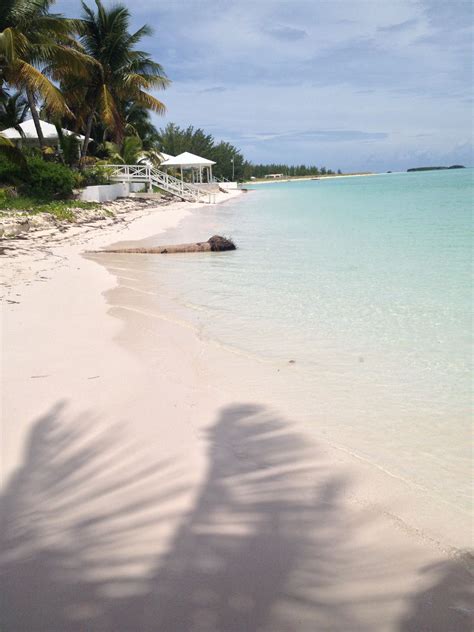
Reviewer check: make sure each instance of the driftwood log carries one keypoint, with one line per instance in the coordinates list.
(216, 243)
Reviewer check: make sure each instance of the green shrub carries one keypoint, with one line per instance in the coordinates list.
(95, 175)
(79, 180)
(3, 198)
(10, 173)
(70, 147)
(48, 180)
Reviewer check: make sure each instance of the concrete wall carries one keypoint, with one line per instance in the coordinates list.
(109, 192)
(215, 186)
(228, 185)
(137, 186)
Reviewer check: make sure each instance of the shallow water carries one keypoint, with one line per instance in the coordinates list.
(366, 284)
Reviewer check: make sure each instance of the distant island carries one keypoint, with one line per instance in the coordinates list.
(436, 168)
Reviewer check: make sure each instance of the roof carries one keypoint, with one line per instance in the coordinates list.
(187, 159)
(145, 159)
(165, 156)
(29, 130)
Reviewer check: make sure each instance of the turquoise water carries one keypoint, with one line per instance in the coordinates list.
(366, 283)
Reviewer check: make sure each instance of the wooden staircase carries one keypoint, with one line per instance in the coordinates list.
(156, 178)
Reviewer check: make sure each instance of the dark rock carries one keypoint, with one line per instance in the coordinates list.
(220, 244)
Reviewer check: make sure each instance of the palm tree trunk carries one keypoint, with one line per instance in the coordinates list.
(36, 119)
(213, 244)
(59, 131)
(87, 137)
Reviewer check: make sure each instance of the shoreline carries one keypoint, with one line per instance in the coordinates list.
(136, 217)
(148, 407)
(395, 494)
(303, 178)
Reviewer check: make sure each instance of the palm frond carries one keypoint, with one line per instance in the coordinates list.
(12, 44)
(108, 108)
(30, 77)
(150, 102)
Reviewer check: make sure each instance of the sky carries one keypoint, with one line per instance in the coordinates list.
(355, 85)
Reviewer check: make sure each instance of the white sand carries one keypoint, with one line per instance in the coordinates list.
(149, 486)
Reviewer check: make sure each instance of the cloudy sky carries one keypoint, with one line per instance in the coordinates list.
(350, 84)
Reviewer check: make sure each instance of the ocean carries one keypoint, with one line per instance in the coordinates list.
(364, 286)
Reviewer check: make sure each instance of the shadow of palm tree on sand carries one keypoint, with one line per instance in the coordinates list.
(267, 545)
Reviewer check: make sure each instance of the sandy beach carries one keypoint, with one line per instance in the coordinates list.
(150, 483)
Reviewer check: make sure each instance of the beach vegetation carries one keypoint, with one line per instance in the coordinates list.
(48, 180)
(160, 191)
(290, 171)
(70, 147)
(12, 171)
(93, 175)
(38, 178)
(230, 163)
(62, 210)
(138, 122)
(175, 140)
(11, 154)
(435, 168)
(128, 152)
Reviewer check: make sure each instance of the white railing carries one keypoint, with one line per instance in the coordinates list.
(161, 179)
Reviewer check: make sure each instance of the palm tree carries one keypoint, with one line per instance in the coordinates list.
(138, 122)
(122, 73)
(35, 43)
(128, 152)
(13, 110)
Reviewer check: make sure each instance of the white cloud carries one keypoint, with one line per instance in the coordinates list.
(263, 73)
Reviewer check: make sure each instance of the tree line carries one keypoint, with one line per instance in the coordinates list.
(230, 162)
(260, 170)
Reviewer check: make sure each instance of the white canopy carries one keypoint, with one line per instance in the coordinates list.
(29, 130)
(165, 156)
(143, 159)
(187, 160)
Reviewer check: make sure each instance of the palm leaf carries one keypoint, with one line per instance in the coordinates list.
(150, 102)
(34, 80)
(108, 109)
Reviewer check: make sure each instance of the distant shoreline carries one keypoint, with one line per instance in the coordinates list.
(300, 178)
(435, 168)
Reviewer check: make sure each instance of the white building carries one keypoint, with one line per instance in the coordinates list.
(187, 161)
(29, 135)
